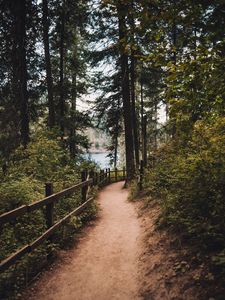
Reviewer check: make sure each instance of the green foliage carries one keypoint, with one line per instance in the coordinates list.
(15, 193)
(44, 160)
(190, 183)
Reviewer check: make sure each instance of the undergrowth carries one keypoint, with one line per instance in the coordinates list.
(44, 160)
(188, 179)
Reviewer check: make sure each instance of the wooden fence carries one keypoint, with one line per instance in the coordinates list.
(89, 179)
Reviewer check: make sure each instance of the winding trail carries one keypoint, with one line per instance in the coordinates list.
(104, 266)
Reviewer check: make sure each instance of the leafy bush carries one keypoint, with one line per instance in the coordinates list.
(190, 181)
(44, 160)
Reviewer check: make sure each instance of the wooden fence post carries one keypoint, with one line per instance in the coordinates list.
(106, 175)
(49, 207)
(109, 179)
(84, 188)
(141, 175)
(92, 176)
(115, 174)
(100, 177)
(103, 175)
(124, 174)
(49, 212)
(97, 178)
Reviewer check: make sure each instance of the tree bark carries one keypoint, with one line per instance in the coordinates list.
(115, 152)
(134, 115)
(61, 72)
(73, 115)
(20, 68)
(48, 67)
(142, 118)
(73, 109)
(127, 109)
(145, 141)
(155, 124)
(174, 33)
(132, 86)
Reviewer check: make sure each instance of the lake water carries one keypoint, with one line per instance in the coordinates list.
(100, 158)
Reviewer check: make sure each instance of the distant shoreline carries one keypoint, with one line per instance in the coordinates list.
(97, 152)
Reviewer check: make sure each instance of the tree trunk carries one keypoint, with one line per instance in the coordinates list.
(127, 110)
(133, 84)
(20, 67)
(115, 151)
(155, 124)
(174, 42)
(116, 133)
(51, 106)
(73, 115)
(142, 120)
(73, 99)
(61, 73)
(134, 115)
(174, 33)
(145, 141)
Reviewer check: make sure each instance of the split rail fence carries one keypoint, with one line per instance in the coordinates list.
(89, 180)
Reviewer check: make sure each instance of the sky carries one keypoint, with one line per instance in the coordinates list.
(83, 104)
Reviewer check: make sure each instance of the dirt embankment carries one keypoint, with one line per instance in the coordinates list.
(169, 269)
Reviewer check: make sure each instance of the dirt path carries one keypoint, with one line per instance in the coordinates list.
(105, 263)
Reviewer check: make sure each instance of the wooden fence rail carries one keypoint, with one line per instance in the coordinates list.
(89, 179)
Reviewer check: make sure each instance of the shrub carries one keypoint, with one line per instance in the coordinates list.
(44, 160)
(190, 182)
